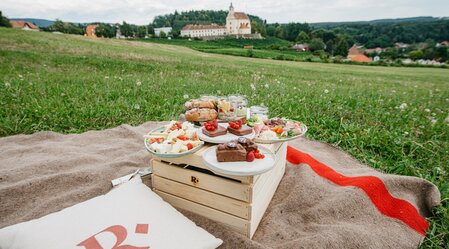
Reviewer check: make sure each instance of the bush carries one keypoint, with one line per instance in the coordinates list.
(250, 53)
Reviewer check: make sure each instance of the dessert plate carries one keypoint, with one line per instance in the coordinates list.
(223, 138)
(256, 167)
(169, 155)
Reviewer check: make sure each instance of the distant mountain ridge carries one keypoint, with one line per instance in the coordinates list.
(378, 21)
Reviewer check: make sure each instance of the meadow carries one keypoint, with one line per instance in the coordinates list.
(393, 119)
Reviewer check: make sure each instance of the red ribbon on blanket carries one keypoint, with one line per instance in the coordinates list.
(373, 187)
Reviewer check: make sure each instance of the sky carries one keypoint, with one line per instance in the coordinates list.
(282, 11)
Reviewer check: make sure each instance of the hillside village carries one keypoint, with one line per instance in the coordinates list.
(322, 45)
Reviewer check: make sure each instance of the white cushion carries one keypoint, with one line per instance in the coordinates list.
(120, 211)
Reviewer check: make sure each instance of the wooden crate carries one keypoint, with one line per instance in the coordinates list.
(238, 202)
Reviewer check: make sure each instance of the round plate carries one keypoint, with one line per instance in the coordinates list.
(223, 138)
(272, 141)
(256, 167)
(160, 129)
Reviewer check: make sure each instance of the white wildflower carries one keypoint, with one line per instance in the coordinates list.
(266, 85)
(7, 84)
(405, 133)
(62, 94)
(326, 91)
(138, 83)
(186, 96)
(106, 77)
(403, 106)
(393, 91)
(137, 106)
(253, 86)
(433, 121)
(218, 91)
(426, 110)
(20, 76)
(294, 88)
(447, 119)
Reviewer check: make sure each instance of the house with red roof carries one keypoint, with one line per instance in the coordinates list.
(355, 53)
(24, 25)
(90, 30)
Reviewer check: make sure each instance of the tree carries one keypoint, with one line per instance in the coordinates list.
(162, 34)
(303, 37)
(416, 55)
(342, 46)
(330, 47)
(141, 31)
(150, 29)
(105, 30)
(126, 30)
(316, 44)
(4, 22)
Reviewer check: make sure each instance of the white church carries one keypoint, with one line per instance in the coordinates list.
(237, 24)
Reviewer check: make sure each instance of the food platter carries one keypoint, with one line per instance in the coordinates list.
(241, 168)
(299, 129)
(223, 138)
(168, 155)
(279, 140)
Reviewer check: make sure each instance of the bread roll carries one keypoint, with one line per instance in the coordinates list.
(201, 115)
(195, 103)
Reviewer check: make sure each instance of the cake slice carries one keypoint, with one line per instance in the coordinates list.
(248, 144)
(244, 130)
(231, 152)
(215, 133)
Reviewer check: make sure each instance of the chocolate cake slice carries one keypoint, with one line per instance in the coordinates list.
(244, 130)
(230, 152)
(218, 132)
(248, 144)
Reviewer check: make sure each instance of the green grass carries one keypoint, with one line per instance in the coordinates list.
(71, 84)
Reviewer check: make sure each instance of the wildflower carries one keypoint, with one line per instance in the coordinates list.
(403, 106)
(294, 88)
(62, 94)
(326, 91)
(138, 83)
(186, 96)
(218, 91)
(137, 106)
(405, 133)
(447, 119)
(253, 86)
(266, 85)
(106, 77)
(7, 84)
(426, 110)
(20, 76)
(433, 121)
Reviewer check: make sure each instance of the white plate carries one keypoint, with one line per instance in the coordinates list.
(168, 155)
(223, 138)
(256, 167)
(272, 141)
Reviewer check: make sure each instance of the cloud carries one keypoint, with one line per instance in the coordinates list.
(143, 11)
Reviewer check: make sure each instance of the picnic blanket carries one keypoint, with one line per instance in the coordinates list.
(326, 199)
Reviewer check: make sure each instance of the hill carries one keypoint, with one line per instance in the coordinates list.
(327, 25)
(42, 23)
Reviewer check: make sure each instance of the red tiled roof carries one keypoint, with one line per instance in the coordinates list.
(90, 29)
(199, 27)
(22, 24)
(240, 15)
(361, 58)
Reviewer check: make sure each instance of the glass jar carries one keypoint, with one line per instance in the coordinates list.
(241, 106)
(226, 110)
(259, 111)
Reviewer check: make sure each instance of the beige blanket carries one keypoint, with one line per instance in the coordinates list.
(46, 172)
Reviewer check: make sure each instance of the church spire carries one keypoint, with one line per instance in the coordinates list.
(231, 8)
